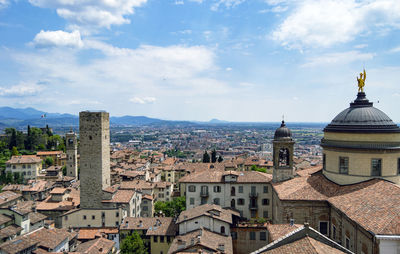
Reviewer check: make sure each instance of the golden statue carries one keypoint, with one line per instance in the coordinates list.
(361, 81)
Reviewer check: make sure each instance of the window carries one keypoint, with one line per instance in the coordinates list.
(168, 239)
(252, 235)
(240, 189)
(116, 214)
(116, 223)
(265, 214)
(324, 161)
(66, 218)
(29, 166)
(145, 208)
(334, 232)
(23, 166)
(398, 166)
(13, 166)
(233, 191)
(323, 227)
(29, 173)
(144, 201)
(253, 190)
(169, 174)
(376, 167)
(217, 188)
(343, 165)
(161, 239)
(191, 201)
(155, 239)
(203, 201)
(347, 241)
(84, 217)
(253, 213)
(216, 201)
(265, 189)
(93, 217)
(192, 188)
(265, 201)
(263, 236)
(222, 230)
(240, 201)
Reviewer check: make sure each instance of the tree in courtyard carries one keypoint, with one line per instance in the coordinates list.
(213, 156)
(133, 244)
(170, 208)
(220, 159)
(206, 157)
(49, 161)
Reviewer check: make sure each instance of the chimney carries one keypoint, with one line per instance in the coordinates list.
(291, 222)
(140, 224)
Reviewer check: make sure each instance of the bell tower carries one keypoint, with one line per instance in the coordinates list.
(283, 144)
(72, 154)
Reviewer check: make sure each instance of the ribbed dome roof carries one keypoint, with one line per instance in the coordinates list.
(361, 116)
(283, 132)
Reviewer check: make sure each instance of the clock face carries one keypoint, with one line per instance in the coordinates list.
(70, 141)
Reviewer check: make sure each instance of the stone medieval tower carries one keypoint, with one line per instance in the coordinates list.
(283, 154)
(94, 134)
(72, 154)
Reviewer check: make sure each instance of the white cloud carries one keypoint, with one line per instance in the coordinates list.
(57, 39)
(228, 69)
(361, 46)
(3, 3)
(143, 100)
(395, 50)
(89, 15)
(323, 23)
(337, 58)
(22, 89)
(179, 2)
(227, 3)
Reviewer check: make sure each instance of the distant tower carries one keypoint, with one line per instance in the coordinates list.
(94, 135)
(72, 154)
(283, 154)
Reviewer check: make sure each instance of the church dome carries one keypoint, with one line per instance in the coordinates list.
(283, 132)
(362, 117)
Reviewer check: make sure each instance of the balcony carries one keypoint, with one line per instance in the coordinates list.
(253, 194)
(253, 206)
(204, 193)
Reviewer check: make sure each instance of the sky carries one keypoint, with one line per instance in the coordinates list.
(235, 60)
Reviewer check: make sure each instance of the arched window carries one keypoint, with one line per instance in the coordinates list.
(222, 230)
(283, 157)
(233, 191)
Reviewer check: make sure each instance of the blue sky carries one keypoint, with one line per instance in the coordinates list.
(237, 60)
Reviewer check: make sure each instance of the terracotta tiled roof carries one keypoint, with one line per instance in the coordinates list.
(305, 245)
(136, 185)
(277, 231)
(202, 239)
(35, 217)
(37, 186)
(209, 210)
(18, 244)
(4, 219)
(121, 196)
(7, 196)
(97, 246)
(44, 153)
(24, 159)
(373, 204)
(147, 197)
(153, 225)
(58, 191)
(51, 238)
(11, 230)
(92, 233)
(216, 176)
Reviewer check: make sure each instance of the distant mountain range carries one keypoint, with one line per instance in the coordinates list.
(21, 117)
